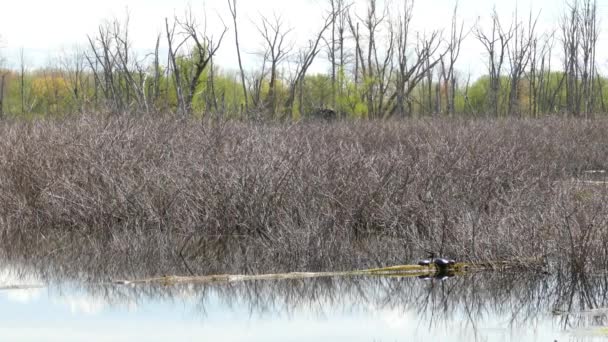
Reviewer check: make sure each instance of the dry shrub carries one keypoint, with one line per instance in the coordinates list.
(238, 197)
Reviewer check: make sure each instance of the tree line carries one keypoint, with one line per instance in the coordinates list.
(378, 67)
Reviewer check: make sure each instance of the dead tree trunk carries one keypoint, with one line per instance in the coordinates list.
(495, 44)
(519, 58)
(204, 48)
(2, 83)
(274, 35)
(411, 67)
(457, 35)
(233, 12)
(306, 58)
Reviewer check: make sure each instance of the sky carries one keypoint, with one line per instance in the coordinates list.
(45, 30)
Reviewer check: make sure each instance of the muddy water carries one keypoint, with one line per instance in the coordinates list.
(475, 307)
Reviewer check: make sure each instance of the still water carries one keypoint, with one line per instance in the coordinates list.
(476, 307)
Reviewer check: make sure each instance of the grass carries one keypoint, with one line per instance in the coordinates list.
(145, 196)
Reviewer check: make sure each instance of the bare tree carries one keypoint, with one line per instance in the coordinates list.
(3, 74)
(372, 23)
(306, 57)
(519, 55)
(412, 67)
(359, 65)
(1, 46)
(570, 41)
(457, 36)
(233, 12)
(589, 35)
(579, 40)
(335, 10)
(211, 104)
(540, 71)
(256, 81)
(341, 19)
(204, 47)
(154, 86)
(132, 72)
(102, 60)
(22, 71)
(339, 13)
(495, 43)
(123, 77)
(375, 63)
(74, 71)
(277, 49)
(2, 84)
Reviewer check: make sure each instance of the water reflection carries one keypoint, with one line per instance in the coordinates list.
(474, 307)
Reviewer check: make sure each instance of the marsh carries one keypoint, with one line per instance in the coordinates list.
(88, 202)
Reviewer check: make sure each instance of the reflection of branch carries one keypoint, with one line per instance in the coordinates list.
(181, 255)
(523, 297)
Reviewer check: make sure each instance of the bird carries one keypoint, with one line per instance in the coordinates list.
(441, 263)
(424, 262)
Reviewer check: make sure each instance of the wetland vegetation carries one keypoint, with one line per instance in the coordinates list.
(116, 169)
(231, 197)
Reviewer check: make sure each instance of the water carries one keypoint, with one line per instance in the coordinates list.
(475, 307)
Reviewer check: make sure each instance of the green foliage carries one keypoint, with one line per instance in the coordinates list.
(349, 97)
(351, 102)
(317, 93)
(479, 95)
(60, 91)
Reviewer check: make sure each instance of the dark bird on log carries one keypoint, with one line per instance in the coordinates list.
(441, 263)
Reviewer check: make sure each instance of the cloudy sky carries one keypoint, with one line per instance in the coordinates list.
(46, 29)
